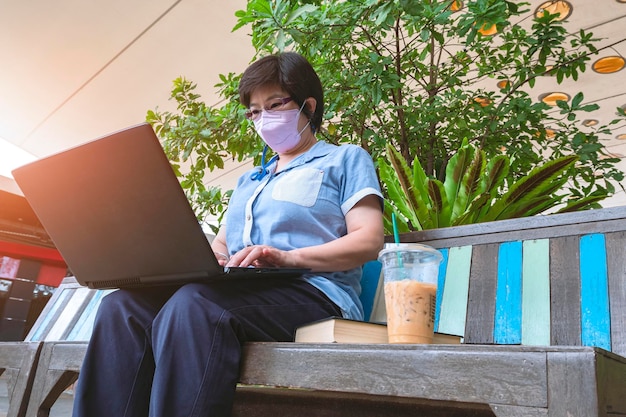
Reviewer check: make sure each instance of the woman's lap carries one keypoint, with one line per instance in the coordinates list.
(185, 342)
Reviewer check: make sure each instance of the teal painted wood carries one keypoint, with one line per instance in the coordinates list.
(508, 315)
(594, 293)
(536, 292)
(369, 283)
(454, 298)
(60, 303)
(441, 282)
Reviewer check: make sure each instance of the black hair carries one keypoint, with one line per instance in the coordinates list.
(291, 72)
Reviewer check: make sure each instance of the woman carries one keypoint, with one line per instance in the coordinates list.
(175, 351)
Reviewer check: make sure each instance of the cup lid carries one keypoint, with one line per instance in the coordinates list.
(429, 251)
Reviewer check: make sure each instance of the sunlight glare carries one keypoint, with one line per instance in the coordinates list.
(12, 157)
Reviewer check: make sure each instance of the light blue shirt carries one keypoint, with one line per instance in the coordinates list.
(305, 205)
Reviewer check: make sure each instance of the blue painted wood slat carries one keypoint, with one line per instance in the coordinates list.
(369, 283)
(441, 282)
(594, 294)
(508, 314)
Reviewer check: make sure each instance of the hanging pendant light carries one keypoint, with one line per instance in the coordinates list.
(561, 7)
(609, 64)
(551, 98)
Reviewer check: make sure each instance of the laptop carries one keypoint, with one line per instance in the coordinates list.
(117, 214)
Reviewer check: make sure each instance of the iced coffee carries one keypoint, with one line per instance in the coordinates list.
(410, 273)
(410, 311)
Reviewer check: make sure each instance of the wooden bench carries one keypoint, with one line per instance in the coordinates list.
(540, 302)
(555, 280)
(18, 361)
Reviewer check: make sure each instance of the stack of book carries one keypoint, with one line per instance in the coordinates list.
(340, 330)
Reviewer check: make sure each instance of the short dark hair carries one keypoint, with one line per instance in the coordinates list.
(293, 73)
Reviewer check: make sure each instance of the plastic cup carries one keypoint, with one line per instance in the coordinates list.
(410, 273)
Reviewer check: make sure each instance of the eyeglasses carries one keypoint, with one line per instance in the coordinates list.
(275, 104)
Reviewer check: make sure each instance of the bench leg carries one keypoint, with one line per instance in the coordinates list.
(17, 363)
(57, 369)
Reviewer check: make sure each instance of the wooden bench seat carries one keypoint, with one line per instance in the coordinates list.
(450, 380)
(540, 302)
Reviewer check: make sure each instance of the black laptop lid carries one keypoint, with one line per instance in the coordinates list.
(116, 212)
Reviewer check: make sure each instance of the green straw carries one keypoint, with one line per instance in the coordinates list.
(396, 237)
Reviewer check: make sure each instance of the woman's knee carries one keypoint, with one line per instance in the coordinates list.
(191, 298)
(116, 301)
(192, 303)
(137, 305)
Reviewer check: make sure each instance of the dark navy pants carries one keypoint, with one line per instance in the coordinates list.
(175, 351)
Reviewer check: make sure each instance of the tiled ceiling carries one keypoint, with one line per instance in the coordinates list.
(74, 70)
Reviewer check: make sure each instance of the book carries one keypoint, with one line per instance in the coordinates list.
(341, 330)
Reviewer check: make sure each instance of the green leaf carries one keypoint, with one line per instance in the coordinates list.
(307, 8)
(584, 203)
(521, 194)
(578, 98)
(440, 209)
(413, 192)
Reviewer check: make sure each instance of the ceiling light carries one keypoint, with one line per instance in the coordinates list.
(549, 71)
(551, 98)
(549, 133)
(621, 136)
(621, 1)
(590, 122)
(483, 101)
(456, 6)
(503, 84)
(488, 30)
(561, 7)
(609, 64)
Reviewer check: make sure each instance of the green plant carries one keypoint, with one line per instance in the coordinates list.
(474, 190)
(419, 77)
(201, 138)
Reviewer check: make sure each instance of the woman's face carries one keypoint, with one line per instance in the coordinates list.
(273, 98)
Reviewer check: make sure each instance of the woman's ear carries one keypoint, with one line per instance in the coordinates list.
(310, 105)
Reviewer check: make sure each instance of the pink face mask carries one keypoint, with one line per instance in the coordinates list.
(279, 129)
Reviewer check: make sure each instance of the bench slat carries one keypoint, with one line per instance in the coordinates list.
(70, 314)
(486, 374)
(441, 282)
(536, 292)
(482, 294)
(594, 293)
(565, 287)
(369, 285)
(50, 314)
(616, 268)
(454, 298)
(83, 327)
(508, 315)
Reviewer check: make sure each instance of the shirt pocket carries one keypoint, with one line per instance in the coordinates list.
(300, 186)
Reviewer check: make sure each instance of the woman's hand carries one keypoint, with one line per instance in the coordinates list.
(260, 256)
(362, 243)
